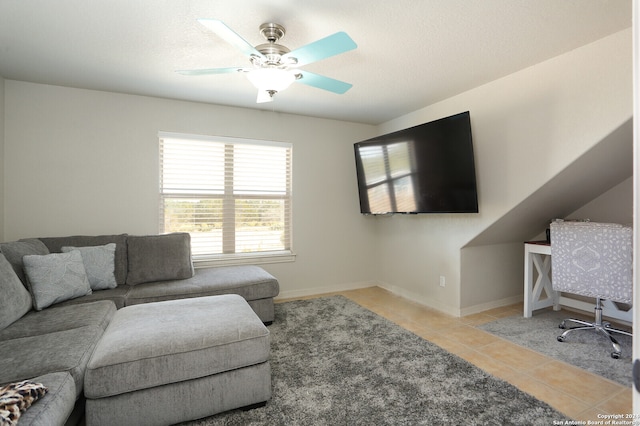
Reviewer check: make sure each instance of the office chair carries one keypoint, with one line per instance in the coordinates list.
(594, 260)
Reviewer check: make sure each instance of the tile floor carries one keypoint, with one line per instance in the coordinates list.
(576, 393)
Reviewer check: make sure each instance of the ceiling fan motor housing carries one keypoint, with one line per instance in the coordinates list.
(272, 50)
(272, 32)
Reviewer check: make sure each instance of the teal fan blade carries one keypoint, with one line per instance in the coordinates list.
(321, 49)
(230, 36)
(322, 82)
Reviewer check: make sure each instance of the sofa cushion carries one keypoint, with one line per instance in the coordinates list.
(116, 295)
(58, 339)
(55, 244)
(15, 300)
(249, 281)
(60, 318)
(15, 398)
(67, 350)
(57, 405)
(14, 251)
(99, 262)
(159, 257)
(56, 277)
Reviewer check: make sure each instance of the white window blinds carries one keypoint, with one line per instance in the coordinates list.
(232, 195)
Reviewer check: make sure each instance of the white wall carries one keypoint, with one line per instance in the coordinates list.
(615, 206)
(86, 162)
(526, 127)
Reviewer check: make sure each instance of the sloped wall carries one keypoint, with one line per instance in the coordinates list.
(527, 128)
(495, 256)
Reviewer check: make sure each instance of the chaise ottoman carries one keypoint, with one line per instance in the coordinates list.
(168, 362)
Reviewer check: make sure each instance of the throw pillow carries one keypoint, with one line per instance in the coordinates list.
(15, 300)
(159, 258)
(56, 277)
(14, 251)
(55, 244)
(15, 398)
(99, 262)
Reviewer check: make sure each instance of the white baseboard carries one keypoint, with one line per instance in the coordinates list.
(292, 294)
(419, 299)
(475, 309)
(449, 310)
(414, 297)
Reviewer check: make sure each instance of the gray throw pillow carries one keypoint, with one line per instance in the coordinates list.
(14, 251)
(55, 244)
(159, 258)
(56, 277)
(15, 300)
(99, 262)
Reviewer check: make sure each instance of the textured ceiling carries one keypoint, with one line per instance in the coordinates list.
(411, 53)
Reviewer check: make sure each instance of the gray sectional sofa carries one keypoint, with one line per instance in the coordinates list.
(50, 322)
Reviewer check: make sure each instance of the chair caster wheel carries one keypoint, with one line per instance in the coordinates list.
(562, 326)
(615, 355)
(560, 339)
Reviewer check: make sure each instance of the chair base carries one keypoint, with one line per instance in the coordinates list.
(599, 326)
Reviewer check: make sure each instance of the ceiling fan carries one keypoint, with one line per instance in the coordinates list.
(273, 66)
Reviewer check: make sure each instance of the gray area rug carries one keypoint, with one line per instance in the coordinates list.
(336, 363)
(583, 349)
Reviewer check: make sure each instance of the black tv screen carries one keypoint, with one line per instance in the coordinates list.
(428, 168)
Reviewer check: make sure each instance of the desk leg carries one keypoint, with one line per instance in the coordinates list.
(528, 283)
(540, 264)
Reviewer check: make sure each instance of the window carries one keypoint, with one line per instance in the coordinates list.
(232, 195)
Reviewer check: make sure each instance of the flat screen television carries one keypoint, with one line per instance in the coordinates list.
(427, 168)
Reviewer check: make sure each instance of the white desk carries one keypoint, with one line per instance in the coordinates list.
(539, 294)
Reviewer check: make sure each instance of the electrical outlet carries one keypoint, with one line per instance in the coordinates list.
(442, 281)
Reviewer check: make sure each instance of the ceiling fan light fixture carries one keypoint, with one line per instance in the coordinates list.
(271, 79)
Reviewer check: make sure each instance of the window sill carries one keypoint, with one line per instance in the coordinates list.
(243, 259)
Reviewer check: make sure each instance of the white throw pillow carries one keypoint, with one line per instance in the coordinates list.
(99, 262)
(56, 277)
